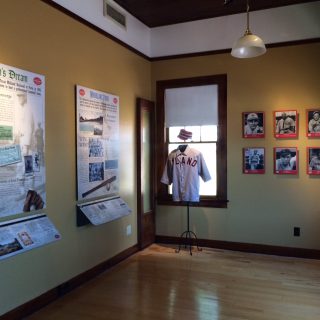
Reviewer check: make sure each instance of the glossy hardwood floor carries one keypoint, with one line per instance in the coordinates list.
(159, 284)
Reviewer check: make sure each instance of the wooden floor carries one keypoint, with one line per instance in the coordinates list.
(159, 284)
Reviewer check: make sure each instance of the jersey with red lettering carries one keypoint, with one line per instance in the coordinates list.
(183, 169)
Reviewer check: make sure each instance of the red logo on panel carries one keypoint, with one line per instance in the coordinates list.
(115, 100)
(82, 92)
(37, 81)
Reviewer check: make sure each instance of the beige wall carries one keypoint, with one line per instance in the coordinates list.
(263, 209)
(39, 38)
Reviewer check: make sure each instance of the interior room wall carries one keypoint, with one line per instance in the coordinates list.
(38, 38)
(262, 209)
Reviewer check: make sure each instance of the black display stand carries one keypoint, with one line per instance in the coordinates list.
(188, 237)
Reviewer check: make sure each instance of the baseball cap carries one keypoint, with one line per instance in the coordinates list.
(185, 135)
(252, 116)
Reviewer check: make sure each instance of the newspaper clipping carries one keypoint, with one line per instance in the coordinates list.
(97, 143)
(22, 139)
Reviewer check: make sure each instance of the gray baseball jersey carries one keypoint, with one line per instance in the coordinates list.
(183, 169)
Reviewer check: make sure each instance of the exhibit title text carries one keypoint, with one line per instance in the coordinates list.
(100, 96)
(13, 75)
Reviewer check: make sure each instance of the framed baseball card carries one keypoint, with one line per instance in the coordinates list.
(253, 125)
(253, 160)
(286, 124)
(313, 161)
(285, 160)
(313, 123)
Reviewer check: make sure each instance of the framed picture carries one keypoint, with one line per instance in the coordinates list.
(313, 123)
(253, 124)
(285, 160)
(286, 124)
(253, 160)
(313, 161)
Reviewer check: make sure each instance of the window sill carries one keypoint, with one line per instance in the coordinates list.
(211, 202)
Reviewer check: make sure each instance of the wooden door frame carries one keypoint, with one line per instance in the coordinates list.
(143, 104)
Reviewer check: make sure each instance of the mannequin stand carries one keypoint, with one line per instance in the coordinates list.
(188, 236)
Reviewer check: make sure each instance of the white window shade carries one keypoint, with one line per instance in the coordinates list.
(191, 106)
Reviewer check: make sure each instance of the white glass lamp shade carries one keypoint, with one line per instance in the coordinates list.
(248, 46)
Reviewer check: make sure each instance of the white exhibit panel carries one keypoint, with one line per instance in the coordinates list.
(24, 234)
(102, 211)
(22, 141)
(97, 143)
(183, 105)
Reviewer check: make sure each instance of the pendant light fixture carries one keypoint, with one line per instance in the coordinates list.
(249, 45)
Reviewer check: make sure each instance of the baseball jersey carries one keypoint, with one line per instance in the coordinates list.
(183, 169)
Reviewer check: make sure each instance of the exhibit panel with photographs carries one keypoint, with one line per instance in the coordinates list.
(253, 125)
(313, 123)
(313, 161)
(22, 141)
(286, 160)
(286, 124)
(20, 235)
(97, 143)
(254, 160)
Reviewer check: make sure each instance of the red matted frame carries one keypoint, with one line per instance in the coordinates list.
(285, 123)
(285, 160)
(256, 129)
(313, 123)
(313, 160)
(254, 160)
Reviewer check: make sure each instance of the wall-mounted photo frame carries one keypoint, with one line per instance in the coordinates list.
(313, 123)
(313, 161)
(254, 160)
(286, 123)
(285, 160)
(253, 124)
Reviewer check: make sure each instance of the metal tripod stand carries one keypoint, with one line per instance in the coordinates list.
(188, 237)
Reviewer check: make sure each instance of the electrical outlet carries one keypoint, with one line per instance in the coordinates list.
(129, 231)
(296, 231)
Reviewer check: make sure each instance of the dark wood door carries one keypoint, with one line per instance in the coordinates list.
(145, 172)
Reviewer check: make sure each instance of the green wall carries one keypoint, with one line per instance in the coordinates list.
(36, 37)
(263, 209)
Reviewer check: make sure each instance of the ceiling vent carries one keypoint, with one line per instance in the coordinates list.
(111, 12)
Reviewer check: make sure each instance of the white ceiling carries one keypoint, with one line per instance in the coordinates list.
(282, 24)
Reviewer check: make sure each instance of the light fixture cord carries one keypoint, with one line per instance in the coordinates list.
(248, 29)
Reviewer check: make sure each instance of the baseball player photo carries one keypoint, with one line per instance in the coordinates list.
(285, 160)
(183, 168)
(253, 160)
(253, 124)
(313, 161)
(286, 124)
(313, 123)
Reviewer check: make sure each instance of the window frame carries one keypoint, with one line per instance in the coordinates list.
(163, 197)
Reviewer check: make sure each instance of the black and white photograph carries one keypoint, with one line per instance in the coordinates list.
(93, 125)
(253, 124)
(95, 147)
(285, 160)
(254, 160)
(313, 161)
(28, 164)
(286, 124)
(313, 123)
(36, 162)
(96, 171)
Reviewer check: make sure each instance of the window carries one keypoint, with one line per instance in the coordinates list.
(204, 113)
